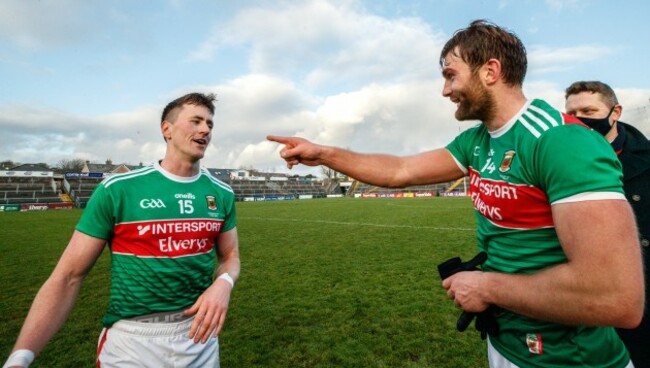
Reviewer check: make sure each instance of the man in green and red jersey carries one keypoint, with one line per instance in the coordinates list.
(166, 226)
(558, 272)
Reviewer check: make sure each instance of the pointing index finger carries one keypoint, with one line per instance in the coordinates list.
(278, 139)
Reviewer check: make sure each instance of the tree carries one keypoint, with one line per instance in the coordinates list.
(73, 165)
(328, 173)
(7, 164)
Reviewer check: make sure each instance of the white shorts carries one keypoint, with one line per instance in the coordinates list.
(156, 345)
(497, 360)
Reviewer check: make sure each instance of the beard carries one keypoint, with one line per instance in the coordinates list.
(476, 103)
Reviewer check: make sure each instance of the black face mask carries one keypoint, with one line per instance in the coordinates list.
(601, 125)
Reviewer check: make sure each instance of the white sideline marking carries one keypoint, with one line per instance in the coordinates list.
(354, 223)
(429, 207)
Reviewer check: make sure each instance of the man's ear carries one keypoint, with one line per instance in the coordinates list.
(491, 71)
(616, 113)
(165, 128)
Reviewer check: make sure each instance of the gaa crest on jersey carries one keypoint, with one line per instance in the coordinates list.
(534, 343)
(508, 156)
(212, 202)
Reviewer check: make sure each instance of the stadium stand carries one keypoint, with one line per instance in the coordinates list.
(360, 189)
(248, 185)
(221, 174)
(255, 185)
(79, 188)
(256, 189)
(29, 183)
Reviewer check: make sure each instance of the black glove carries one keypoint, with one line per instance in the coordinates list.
(486, 321)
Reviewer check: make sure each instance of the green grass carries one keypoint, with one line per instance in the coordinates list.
(324, 283)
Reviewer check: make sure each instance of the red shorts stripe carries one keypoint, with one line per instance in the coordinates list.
(100, 344)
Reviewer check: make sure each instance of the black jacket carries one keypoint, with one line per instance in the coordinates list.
(635, 159)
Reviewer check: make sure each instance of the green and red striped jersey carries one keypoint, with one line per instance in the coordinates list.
(516, 173)
(161, 230)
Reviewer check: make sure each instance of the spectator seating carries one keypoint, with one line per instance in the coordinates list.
(367, 188)
(81, 188)
(21, 190)
(269, 188)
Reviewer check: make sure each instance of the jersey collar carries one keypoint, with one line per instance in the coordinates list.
(504, 129)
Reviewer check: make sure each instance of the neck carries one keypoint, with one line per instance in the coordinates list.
(180, 168)
(507, 102)
(613, 133)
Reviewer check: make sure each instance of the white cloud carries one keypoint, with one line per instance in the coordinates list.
(325, 70)
(370, 63)
(547, 91)
(544, 59)
(400, 119)
(329, 43)
(39, 134)
(374, 68)
(636, 107)
(251, 153)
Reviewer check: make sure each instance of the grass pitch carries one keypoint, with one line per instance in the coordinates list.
(324, 283)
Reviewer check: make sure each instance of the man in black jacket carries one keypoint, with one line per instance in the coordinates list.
(596, 105)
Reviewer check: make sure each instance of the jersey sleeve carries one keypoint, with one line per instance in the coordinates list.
(97, 219)
(230, 220)
(572, 160)
(462, 147)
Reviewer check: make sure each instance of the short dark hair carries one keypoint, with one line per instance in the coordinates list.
(482, 41)
(607, 93)
(199, 99)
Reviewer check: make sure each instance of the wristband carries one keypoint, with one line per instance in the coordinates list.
(226, 277)
(20, 357)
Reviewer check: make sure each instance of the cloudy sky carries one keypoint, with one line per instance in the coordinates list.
(88, 79)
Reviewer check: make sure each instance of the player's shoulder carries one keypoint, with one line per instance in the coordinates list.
(476, 132)
(216, 182)
(575, 138)
(128, 176)
(541, 119)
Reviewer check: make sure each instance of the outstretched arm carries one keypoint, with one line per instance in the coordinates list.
(55, 299)
(383, 170)
(212, 306)
(600, 284)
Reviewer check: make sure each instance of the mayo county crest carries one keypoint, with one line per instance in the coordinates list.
(507, 161)
(212, 202)
(534, 343)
